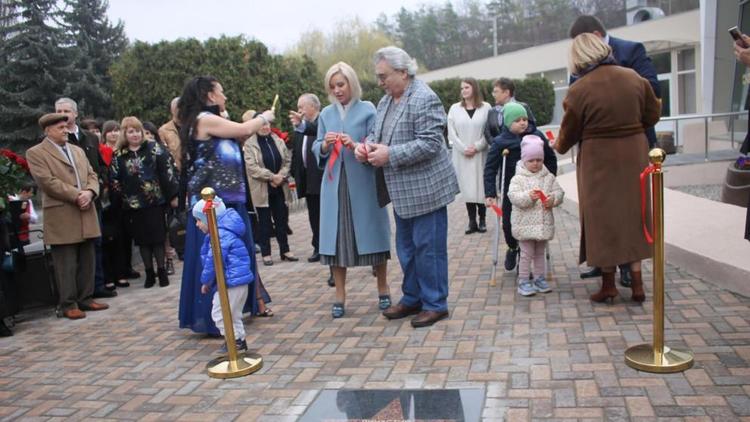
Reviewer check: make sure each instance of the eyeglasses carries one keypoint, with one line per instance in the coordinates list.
(382, 77)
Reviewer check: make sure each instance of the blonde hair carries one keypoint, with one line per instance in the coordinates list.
(351, 77)
(248, 115)
(587, 49)
(128, 122)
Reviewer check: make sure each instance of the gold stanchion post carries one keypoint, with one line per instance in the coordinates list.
(657, 357)
(234, 365)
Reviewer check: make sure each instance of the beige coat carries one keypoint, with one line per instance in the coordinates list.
(529, 219)
(171, 137)
(606, 112)
(258, 175)
(64, 222)
(465, 131)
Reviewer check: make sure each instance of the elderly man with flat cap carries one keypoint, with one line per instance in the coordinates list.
(69, 186)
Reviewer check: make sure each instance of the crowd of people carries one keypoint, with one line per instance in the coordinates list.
(105, 188)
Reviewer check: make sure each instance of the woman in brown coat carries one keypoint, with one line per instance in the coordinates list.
(606, 112)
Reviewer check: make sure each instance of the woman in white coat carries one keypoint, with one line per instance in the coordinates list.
(466, 121)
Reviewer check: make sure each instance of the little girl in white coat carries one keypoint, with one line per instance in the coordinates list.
(533, 191)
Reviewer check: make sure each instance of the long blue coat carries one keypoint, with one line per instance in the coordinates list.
(372, 228)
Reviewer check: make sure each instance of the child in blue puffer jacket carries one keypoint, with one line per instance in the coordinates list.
(238, 271)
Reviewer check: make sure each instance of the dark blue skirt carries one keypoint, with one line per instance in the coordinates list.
(195, 308)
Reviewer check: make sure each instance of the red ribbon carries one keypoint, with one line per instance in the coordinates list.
(498, 210)
(648, 170)
(542, 196)
(207, 206)
(550, 136)
(334, 156)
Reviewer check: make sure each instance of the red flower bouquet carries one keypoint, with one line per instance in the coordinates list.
(14, 171)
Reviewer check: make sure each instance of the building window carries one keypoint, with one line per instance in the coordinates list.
(686, 81)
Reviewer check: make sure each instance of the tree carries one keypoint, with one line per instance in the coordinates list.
(353, 42)
(98, 43)
(34, 70)
(147, 76)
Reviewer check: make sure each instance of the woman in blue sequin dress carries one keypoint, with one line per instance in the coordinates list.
(212, 157)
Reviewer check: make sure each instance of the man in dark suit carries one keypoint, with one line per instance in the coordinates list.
(627, 54)
(307, 174)
(90, 145)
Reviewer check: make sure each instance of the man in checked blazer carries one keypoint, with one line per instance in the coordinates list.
(407, 143)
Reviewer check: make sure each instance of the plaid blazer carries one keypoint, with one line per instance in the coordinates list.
(419, 174)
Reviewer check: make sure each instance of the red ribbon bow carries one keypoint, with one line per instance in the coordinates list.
(648, 170)
(498, 210)
(542, 196)
(334, 156)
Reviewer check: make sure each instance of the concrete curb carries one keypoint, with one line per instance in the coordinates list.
(703, 237)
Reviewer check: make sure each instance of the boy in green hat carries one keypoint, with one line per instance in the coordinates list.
(515, 127)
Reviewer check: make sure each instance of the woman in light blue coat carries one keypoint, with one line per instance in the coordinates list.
(354, 229)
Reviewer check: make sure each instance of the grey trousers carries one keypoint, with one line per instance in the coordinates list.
(75, 265)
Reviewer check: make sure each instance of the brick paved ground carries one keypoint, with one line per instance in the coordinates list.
(555, 356)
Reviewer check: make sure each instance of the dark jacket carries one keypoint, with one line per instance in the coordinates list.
(493, 127)
(90, 145)
(307, 178)
(633, 55)
(238, 270)
(512, 142)
(143, 178)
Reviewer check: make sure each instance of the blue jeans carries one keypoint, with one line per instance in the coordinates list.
(422, 248)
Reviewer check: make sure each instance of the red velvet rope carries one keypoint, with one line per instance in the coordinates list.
(648, 170)
(209, 204)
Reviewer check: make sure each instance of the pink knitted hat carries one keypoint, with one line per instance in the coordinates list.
(532, 147)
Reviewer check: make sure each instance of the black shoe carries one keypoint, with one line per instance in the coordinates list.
(331, 283)
(482, 226)
(315, 257)
(170, 266)
(594, 272)
(150, 279)
(4, 330)
(163, 277)
(625, 279)
(511, 257)
(131, 273)
(290, 258)
(472, 228)
(104, 293)
(110, 286)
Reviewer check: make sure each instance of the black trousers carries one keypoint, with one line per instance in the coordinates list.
(273, 216)
(511, 241)
(313, 215)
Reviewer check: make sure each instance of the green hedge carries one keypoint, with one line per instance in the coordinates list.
(538, 93)
(148, 76)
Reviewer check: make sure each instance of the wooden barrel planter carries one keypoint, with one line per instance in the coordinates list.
(736, 189)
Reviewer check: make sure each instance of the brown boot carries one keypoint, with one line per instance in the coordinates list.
(638, 294)
(608, 290)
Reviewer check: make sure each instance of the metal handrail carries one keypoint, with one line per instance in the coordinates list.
(704, 116)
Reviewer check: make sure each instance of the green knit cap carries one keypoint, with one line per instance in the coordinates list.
(511, 112)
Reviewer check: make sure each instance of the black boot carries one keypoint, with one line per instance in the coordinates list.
(473, 228)
(625, 279)
(150, 278)
(163, 277)
(591, 273)
(511, 258)
(482, 227)
(4, 330)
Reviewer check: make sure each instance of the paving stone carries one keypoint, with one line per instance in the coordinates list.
(553, 357)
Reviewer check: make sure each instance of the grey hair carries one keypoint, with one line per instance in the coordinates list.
(312, 99)
(70, 101)
(397, 58)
